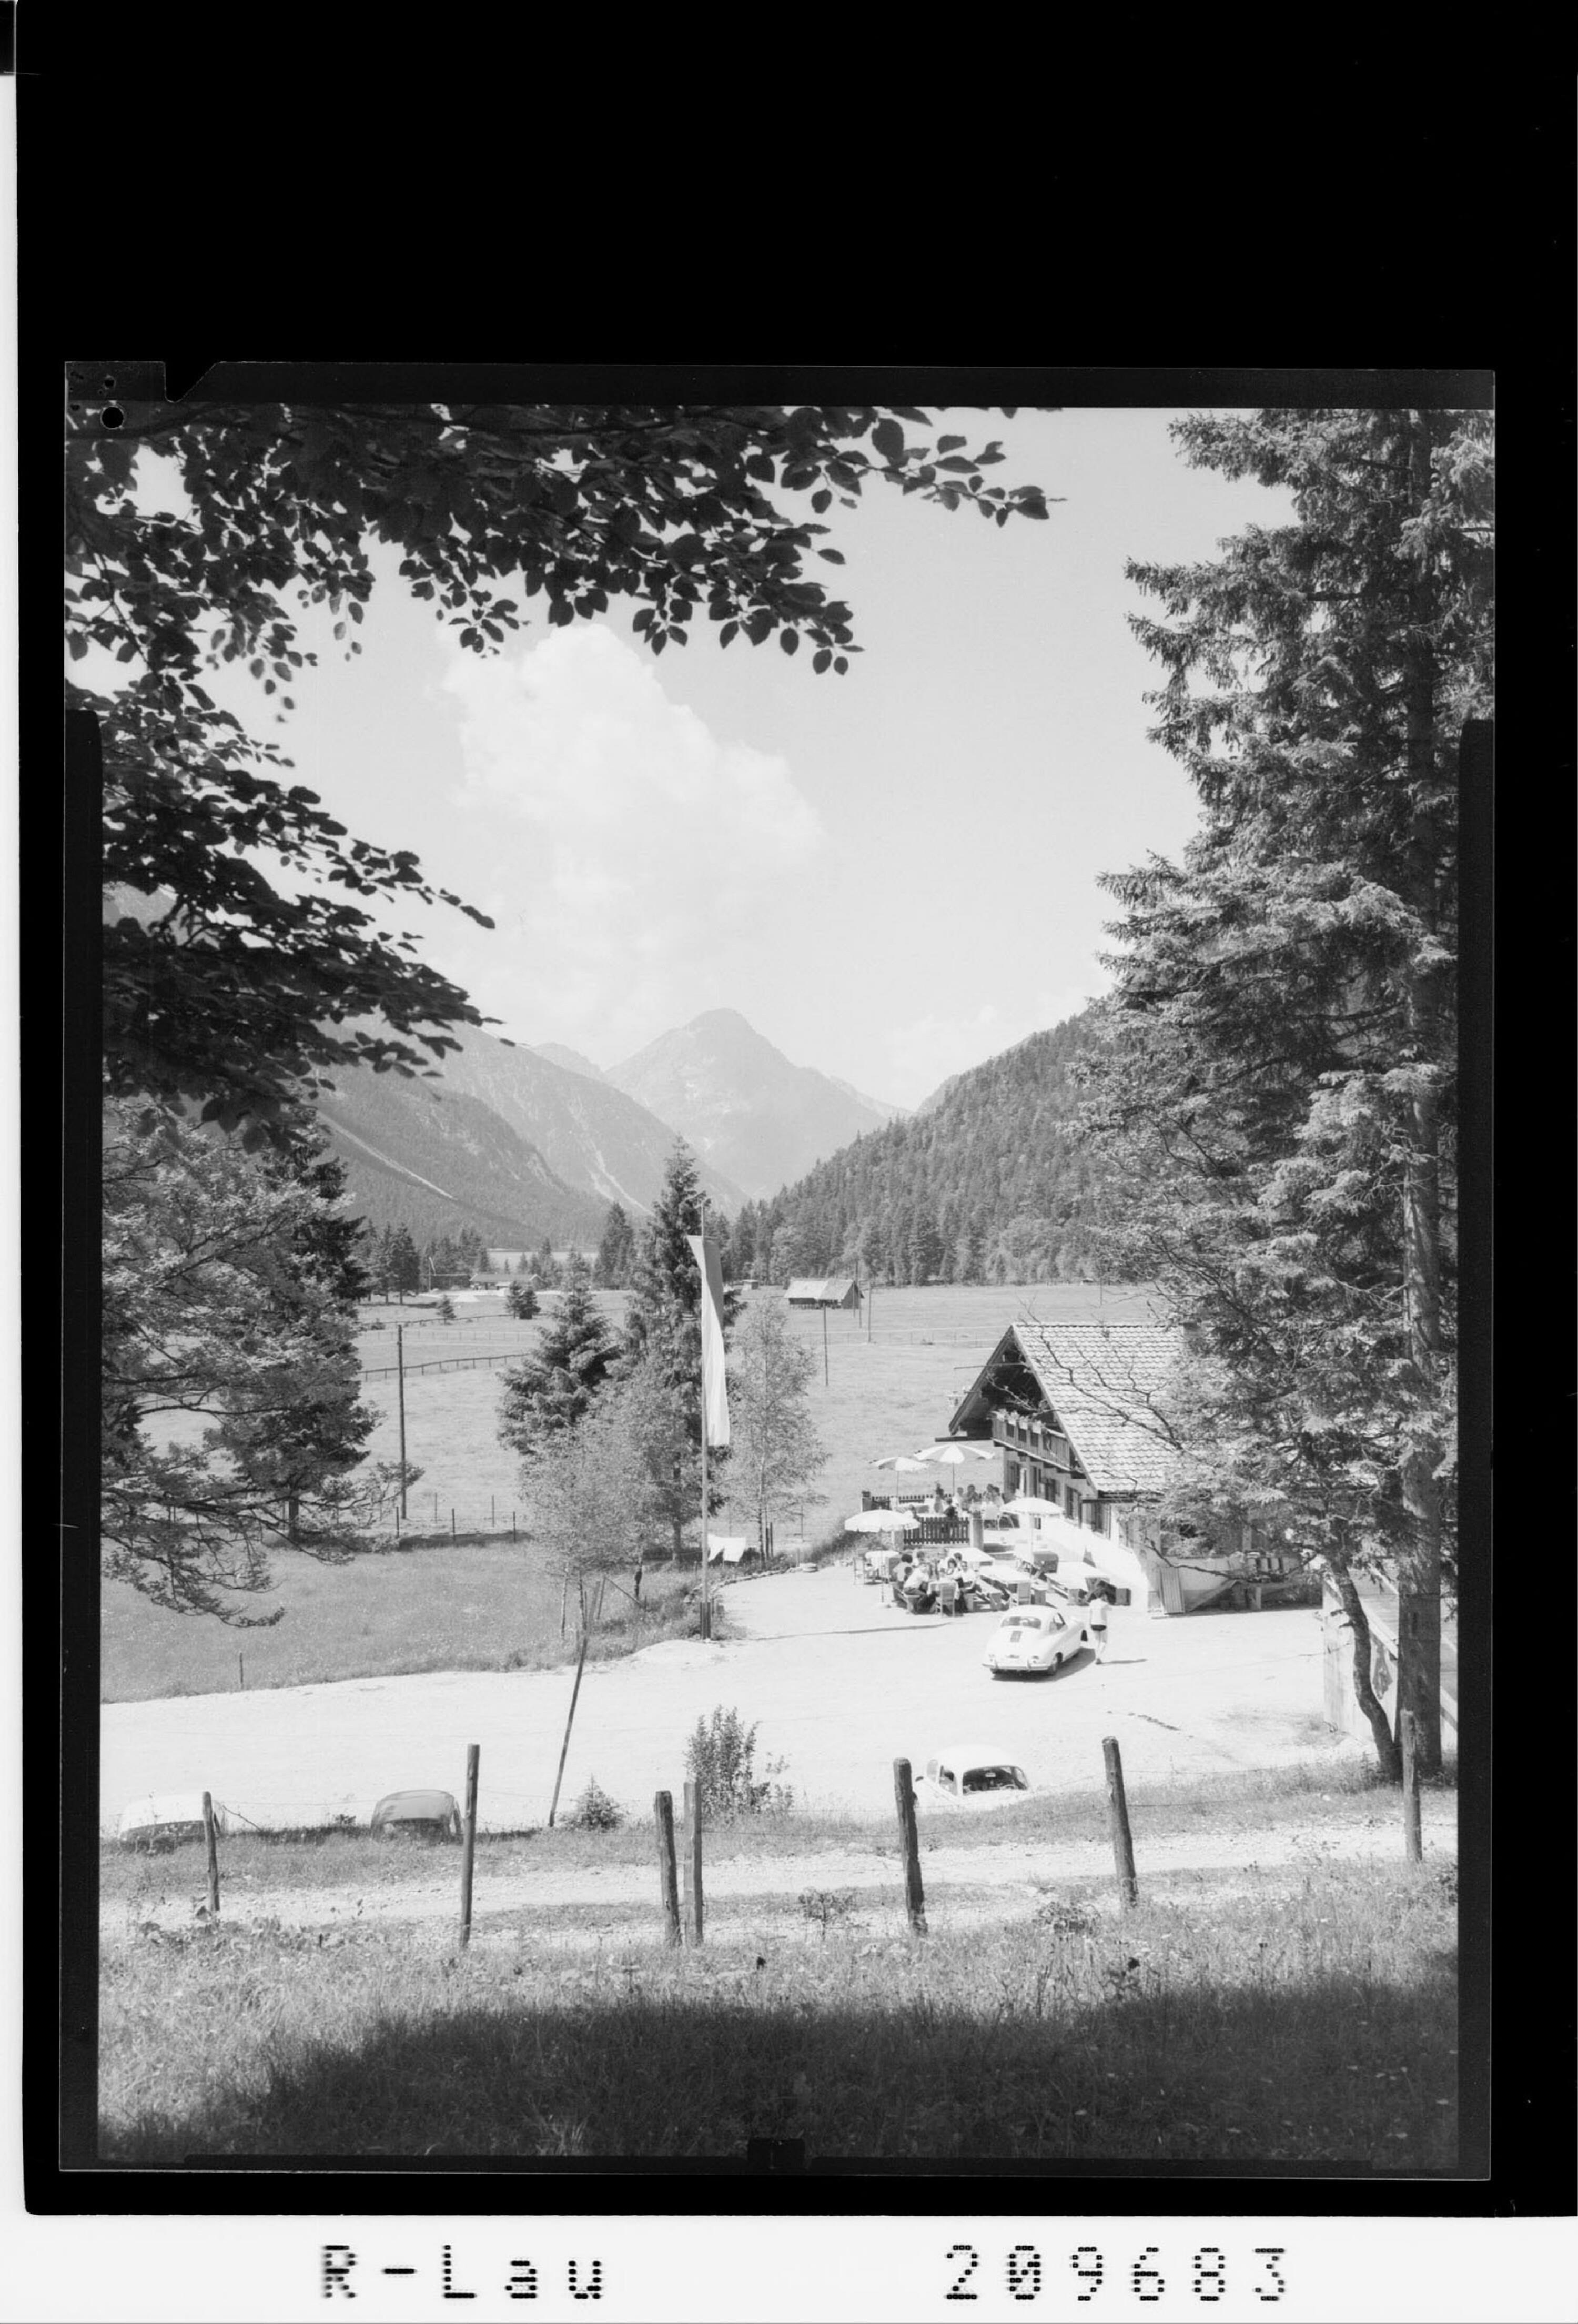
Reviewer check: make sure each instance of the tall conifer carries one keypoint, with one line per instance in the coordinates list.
(1278, 1083)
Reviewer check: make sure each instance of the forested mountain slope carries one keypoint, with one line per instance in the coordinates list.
(984, 1184)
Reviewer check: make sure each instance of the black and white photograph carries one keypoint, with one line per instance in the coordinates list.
(786, 1288)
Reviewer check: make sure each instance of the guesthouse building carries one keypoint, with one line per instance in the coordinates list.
(1077, 1412)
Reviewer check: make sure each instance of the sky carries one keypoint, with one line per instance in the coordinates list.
(892, 874)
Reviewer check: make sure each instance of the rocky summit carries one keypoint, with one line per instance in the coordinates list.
(741, 1104)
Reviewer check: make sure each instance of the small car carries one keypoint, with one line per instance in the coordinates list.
(971, 1776)
(163, 1821)
(433, 1816)
(1033, 1639)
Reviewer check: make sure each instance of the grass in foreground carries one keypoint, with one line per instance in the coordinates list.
(1313, 2023)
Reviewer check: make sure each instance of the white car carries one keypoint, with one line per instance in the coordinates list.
(165, 1820)
(1033, 1639)
(971, 1776)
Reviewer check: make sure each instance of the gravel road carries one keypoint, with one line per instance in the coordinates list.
(837, 1679)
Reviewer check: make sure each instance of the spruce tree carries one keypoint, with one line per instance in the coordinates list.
(615, 1252)
(1276, 1084)
(926, 1245)
(553, 1388)
(405, 1266)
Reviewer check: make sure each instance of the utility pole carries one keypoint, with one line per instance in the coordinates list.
(824, 1347)
(400, 1369)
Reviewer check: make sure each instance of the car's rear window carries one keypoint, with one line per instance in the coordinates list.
(995, 1779)
(1022, 1622)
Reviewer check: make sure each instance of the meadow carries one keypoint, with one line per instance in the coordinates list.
(419, 1606)
(478, 1599)
(891, 1392)
(1303, 2017)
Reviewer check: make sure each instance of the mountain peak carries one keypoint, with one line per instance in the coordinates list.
(741, 1104)
(729, 1019)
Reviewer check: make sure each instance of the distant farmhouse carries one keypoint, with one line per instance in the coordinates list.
(1075, 1411)
(824, 1291)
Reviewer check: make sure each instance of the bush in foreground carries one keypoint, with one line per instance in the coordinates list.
(720, 1759)
(594, 1811)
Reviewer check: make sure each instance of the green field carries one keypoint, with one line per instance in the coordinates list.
(473, 1606)
(485, 1604)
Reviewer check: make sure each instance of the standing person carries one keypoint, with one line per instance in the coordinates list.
(1096, 1623)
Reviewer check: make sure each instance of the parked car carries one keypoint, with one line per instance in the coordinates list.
(1031, 1640)
(971, 1776)
(160, 1822)
(434, 1814)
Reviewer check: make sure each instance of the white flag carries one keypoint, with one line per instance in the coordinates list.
(715, 1393)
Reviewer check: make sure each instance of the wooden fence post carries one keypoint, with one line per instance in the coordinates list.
(692, 1904)
(1413, 1837)
(1118, 1814)
(468, 1839)
(909, 1846)
(212, 1838)
(668, 1877)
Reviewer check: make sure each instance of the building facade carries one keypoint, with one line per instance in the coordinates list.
(1076, 1413)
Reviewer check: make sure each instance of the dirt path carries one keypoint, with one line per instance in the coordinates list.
(749, 1894)
(836, 1679)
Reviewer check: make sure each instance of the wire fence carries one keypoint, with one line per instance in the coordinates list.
(468, 1363)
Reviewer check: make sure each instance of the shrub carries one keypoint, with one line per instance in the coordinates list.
(720, 1759)
(825, 1904)
(594, 1811)
(1066, 1920)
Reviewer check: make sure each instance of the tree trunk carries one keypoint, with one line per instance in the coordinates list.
(1386, 1747)
(1419, 1573)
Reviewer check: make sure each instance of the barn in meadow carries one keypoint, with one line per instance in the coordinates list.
(824, 1291)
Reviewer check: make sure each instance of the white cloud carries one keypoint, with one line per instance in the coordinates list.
(636, 854)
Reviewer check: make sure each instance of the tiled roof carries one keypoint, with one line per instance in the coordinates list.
(1103, 1381)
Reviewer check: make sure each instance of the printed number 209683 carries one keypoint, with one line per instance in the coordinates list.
(1146, 2281)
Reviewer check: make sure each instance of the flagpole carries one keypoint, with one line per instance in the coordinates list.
(701, 1355)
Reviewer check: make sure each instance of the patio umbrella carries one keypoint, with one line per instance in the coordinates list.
(1030, 1505)
(881, 1521)
(896, 1461)
(952, 1456)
